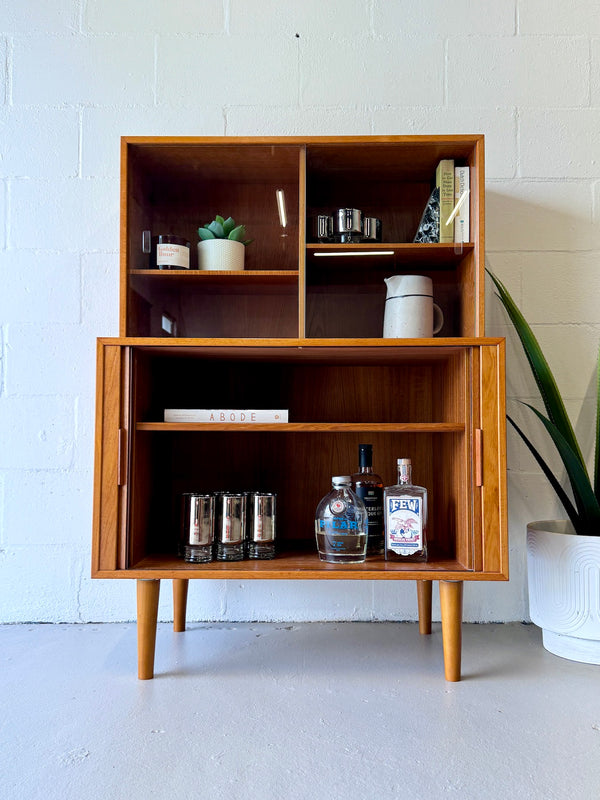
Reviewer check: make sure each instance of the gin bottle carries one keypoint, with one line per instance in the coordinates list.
(405, 516)
(369, 487)
(341, 524)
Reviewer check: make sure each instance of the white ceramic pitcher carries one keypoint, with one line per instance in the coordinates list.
(410, 312)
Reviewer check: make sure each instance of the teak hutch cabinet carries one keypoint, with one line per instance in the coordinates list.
(299, 328)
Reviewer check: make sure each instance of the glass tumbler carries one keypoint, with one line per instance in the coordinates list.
(197, 527)
(260, 541)
(231, 528)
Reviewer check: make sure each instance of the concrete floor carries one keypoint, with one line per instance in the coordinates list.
(268, 711)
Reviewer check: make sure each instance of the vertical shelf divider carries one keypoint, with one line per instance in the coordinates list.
(302, 244)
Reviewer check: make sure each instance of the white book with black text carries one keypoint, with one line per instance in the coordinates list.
(461, 221)
(227, 415)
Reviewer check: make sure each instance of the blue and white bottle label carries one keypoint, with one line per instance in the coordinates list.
(404, 525)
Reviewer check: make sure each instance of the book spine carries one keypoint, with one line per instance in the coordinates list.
(444, 180)
(226, 415)
(461, 220)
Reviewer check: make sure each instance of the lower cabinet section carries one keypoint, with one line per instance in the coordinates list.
(437, 402)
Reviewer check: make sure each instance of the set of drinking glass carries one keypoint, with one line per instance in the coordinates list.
(228, 526)
(346, 225)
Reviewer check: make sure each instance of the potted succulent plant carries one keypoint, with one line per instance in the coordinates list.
(221, 245)
(563, 556)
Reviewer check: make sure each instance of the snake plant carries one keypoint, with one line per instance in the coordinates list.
(221, 228)
(584, 507)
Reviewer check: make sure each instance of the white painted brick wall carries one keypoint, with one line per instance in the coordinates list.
(185, 70)
(519, 70)
(560, 143)
(150, 16)
(373, 71)
(91, 70)
(576, 18)
(75, 75)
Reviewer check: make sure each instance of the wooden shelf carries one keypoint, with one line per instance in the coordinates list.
(307, 427)
(299, 565)
(255, 277)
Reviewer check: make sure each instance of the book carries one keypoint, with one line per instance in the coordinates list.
(461, 220)
(444, 181)
(226, 415)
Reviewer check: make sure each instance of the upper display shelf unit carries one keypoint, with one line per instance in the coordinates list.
(296, 279)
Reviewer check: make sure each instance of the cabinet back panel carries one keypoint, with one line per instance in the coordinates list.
(200, 314)
(349, 301)
(298, 467)
(399, 206)
(253, 205)
(312, 392)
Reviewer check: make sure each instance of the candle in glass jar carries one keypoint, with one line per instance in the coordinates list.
(170, 252)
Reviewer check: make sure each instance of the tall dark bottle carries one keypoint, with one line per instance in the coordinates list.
(369, 487)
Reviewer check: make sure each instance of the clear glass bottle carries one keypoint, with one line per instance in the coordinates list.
(369, 487)
(341, 524)
(405, 516)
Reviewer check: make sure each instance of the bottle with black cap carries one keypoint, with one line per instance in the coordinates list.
(369, 487)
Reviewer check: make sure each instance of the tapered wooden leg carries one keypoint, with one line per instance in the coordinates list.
(451, 594)
(147, 613)
(424, 592)
(180, 593)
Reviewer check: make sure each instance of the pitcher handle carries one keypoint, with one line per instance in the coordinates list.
(438, 318)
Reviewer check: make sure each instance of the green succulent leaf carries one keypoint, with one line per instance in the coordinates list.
(216, 227)
(221, 228)
(228, 226)
(541, 371)
(238, 233)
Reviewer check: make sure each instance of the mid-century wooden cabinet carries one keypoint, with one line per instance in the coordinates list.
(299, 328)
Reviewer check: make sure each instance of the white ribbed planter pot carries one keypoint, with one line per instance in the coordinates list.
(221, 254)
(564, 589)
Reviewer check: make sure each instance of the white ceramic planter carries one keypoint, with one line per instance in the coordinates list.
(220, 254)
(564, 589)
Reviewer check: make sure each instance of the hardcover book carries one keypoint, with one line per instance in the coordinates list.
(461, 220)
(444, 181)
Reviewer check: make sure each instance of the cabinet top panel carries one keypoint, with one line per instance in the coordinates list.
(339, 350)
(457, 139)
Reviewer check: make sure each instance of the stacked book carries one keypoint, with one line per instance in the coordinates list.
(446, 216)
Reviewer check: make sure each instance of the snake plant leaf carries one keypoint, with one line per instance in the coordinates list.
(205, 233)
(553, 480)
(597, 447)
(541, 372)
(585, 499)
